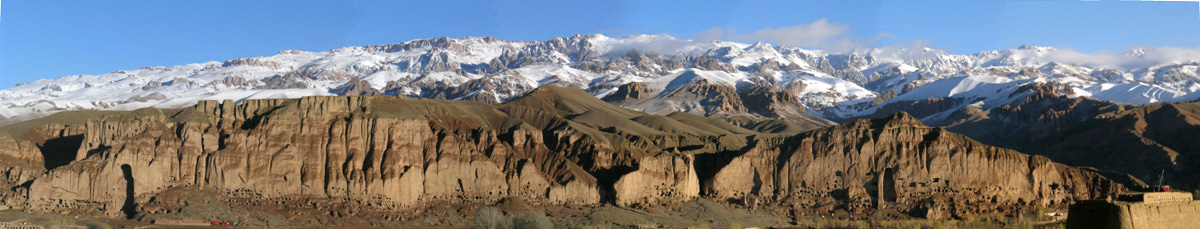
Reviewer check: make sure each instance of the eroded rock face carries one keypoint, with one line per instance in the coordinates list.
(661, 179)
(356, 87)
(20, 161)
(1147, 142)
(898, 161)
(552, 146)
(482, 90)
(252, 62)
(234, 82)
(919, 108)
(698, 95)
(635, 90)
(334, 147)
(1046, 108)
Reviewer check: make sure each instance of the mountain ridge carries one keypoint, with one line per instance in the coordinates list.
(831, 85)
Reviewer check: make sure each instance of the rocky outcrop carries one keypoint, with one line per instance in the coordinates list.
(356, 87)
(629, 91)
(634, 61)
(898, 161)
(919, 108)
(481, 89)
(234, 82)
(714, 98)
(1041, 110)
(284, 81)
(334, 147)
(693, 92)
(257, 62)
(20, 161)
(661, 179)
(325, 75)
(391, 151)
(771, 102)
(144, 98)
(1034, 111)
(1146, 142)
(709, 63)
(554, 145)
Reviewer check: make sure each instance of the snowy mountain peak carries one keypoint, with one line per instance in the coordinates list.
(1036, 48)
(1138, 52)
(494, 70)
(761, 46)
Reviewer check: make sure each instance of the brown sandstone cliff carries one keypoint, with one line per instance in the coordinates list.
(899, 161)
(557, 146)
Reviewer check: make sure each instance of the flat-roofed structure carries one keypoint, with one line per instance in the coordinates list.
(1137, 210)
(1154, 197)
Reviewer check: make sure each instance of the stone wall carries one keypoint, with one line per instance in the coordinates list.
(1154, 197)
(1106, 214)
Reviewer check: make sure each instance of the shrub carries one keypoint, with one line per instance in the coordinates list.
(62, 222)
(533, 220)
(490, 218)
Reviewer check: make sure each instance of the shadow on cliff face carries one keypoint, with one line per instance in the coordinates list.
(708, 164)
(60, 151)
(253, 122)
(130, 207)
(607, 178)
(889, 185)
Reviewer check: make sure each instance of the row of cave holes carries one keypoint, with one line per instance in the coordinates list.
(130, 205)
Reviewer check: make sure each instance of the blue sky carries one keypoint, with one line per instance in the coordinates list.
(46, 39)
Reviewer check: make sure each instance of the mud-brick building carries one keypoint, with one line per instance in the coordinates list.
(1146, 210)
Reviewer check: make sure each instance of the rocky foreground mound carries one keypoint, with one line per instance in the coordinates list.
(553, 146)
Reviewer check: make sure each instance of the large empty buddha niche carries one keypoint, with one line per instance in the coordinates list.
(889, 185)
(60, 151)
(130, 207)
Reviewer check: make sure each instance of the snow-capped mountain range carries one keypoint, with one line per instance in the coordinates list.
(832, 85)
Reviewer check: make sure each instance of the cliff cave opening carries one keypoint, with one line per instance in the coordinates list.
(130, 207)
(889, 185)
(60, 151)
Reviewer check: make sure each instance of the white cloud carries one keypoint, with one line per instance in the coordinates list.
(913, 50)
(660, 44)
(833, 37)
(711, 34)
(820, 34)
(817, 34)
(1136, 58)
